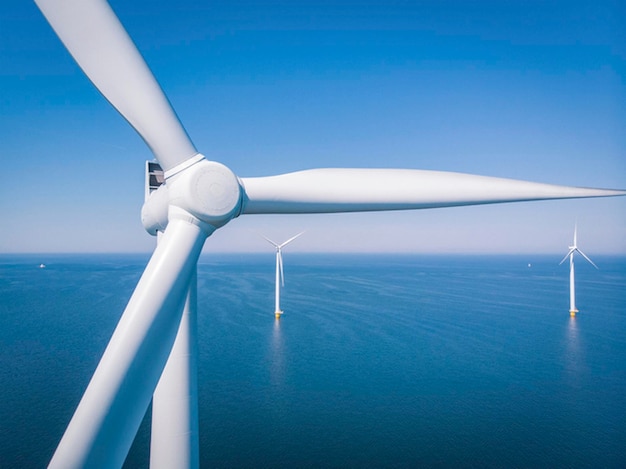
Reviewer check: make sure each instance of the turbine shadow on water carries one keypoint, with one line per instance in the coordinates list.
(277, 357)
(574, 358)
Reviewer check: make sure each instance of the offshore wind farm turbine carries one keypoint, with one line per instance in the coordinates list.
(572, 288)
(153, 350)
(280, 274)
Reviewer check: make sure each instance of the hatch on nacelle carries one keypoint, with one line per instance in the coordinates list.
(154, 177)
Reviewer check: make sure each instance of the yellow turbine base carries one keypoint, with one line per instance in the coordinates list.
(278, 314)
(573, 312)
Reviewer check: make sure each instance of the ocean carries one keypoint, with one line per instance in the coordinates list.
(378, 361)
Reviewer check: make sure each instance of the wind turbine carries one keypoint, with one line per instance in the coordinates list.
(572, 288)
(153, 349)
(280, 275)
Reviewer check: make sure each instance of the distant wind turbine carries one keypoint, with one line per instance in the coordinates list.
(572, 288)
(280, 275)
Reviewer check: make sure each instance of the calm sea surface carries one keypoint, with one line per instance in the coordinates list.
(378, 361)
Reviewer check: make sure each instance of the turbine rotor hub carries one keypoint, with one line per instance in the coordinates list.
(206, 193)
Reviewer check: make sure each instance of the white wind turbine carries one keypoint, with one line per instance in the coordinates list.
(280, 274)
(572, 288)
(153, 348)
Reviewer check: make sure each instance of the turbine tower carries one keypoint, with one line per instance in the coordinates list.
(153, 349)
(280, 274)
(572, 288)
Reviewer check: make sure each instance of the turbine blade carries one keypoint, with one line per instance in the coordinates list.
(96, 39)
(276, 245)
(280, 263)
(575, 232)
(566, 256)
(108, 416)
(291, 239)
(585, 256)
(356, 190)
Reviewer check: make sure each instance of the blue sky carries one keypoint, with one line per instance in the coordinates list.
(521, 89)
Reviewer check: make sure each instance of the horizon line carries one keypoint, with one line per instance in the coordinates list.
(393, 253)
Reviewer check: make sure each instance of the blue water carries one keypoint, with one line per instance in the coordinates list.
(378, 361)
